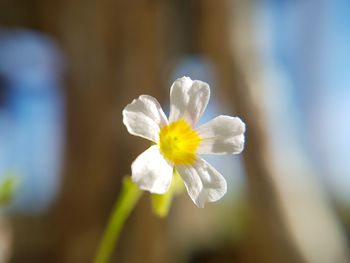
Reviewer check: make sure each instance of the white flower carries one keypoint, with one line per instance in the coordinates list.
(179, 143)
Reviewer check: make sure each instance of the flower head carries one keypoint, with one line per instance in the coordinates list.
(178, 142)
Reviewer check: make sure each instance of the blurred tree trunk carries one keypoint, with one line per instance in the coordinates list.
(268, 239)
(275, 232)
(115, 53)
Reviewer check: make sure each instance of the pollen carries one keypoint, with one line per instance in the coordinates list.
(178, 142)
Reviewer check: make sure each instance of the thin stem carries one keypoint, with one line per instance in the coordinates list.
(126, 202)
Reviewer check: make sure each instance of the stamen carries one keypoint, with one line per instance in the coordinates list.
(178, 142)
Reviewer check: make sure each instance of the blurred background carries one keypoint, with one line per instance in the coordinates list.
(67, 70)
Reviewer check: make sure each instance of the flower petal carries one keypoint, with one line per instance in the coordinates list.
(188, 99)
(203, 182)
(143, 117)
(222, 135)
(151, 172)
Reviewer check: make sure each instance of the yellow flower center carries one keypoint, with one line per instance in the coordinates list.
(178, 142)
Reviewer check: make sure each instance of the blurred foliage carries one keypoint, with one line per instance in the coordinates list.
(8, 188)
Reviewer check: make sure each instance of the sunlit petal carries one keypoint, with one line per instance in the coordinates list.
(151, 172)
(222, 135)
(203, 183)
(143, 117)
(188, 100)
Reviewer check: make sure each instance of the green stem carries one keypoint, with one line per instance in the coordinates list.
(127, 200)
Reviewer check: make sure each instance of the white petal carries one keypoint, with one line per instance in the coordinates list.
(203, 182)
(151, 172)
(188, 99)
(143, 117)
(222, 135)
